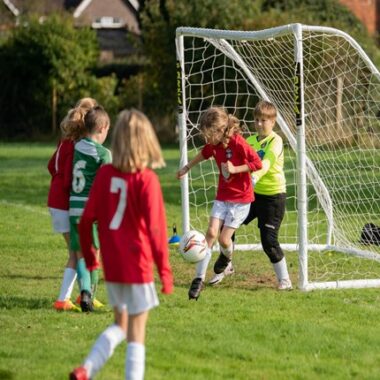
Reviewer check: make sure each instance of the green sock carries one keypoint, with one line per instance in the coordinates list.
(84, 277)
(94, 282)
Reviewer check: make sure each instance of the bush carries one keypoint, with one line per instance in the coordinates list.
(43, 67)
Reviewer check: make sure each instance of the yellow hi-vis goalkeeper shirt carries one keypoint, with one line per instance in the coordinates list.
(270, 179)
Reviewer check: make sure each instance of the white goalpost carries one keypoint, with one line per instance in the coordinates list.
(327, 92)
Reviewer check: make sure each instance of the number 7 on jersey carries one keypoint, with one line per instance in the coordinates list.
(118, 184)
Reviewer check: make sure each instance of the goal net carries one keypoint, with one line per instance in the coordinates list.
(327, 92)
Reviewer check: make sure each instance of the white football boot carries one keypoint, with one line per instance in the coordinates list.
(285, 284)
(219, 277)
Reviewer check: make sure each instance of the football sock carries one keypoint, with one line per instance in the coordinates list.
(94, 282)
(103, 349)
(202, 265)
(69, 277)
(227, 251)
(281, 270)
(84, 277)
(135, 361)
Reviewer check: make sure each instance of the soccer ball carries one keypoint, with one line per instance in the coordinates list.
(193, 246)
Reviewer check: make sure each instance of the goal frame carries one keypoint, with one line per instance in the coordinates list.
(305, 168)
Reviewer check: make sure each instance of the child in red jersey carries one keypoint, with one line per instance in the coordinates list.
(60, 169)
(235, 160)
(126, 201)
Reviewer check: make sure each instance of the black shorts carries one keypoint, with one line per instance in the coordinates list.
(268, 209)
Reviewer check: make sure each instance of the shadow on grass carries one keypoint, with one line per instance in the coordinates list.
(6, 374)
(28, 277)
(14, 302)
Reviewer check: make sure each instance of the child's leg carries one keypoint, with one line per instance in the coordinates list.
(211, 234)
(223, 265)
(201, 267)
(235, 215)
(225, 241)
(84, 276)
(69, 277)
(105, 345)
(95, 273)
(271, 213)
(273, 250)
(226, 249)
(135, 356)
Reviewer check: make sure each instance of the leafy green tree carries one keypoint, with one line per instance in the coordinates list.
(44, 68)
(159, 21)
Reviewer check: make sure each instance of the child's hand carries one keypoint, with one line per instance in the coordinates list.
(167, 288)
(182, 172)
(229, 167)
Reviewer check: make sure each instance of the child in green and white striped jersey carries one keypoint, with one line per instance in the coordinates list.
(89, 155)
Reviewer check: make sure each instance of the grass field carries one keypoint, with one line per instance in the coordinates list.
(243, 329)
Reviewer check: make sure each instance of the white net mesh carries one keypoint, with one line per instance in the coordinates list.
(342, 126)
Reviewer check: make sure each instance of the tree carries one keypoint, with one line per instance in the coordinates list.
(159, 21)
(43, 67)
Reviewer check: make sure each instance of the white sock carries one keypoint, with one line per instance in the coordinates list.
(135, 361)
(69, 277)
(103, 349)
(281, 270)
(201, 268)
(227, 251)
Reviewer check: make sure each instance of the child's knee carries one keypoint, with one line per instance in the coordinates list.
(212, 234)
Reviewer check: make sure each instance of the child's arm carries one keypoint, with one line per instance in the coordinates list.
(230, 168)
(252, 160)
(196, 160)
(51, 164)
(68, 169)
(154, 212)
(271, 156)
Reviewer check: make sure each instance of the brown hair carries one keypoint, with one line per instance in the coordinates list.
(95, 119)
(72, 126)
(265, 109)
(218, 119)
(134, 143)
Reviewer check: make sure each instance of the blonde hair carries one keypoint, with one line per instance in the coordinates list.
(265, 109)
(72, 126)
(134, 143)
(218, 119)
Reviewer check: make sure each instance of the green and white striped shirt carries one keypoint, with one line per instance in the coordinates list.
(88, 157)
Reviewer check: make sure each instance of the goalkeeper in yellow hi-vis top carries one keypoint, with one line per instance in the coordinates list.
(270, 188)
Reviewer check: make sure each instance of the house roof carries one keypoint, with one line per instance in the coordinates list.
(110, 14)
(47, 6)
(38, 6)
(99, 14)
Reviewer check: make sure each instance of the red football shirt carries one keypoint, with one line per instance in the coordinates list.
(60, 169)
(235, 188)
(130, 213)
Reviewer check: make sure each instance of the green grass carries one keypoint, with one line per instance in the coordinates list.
(243, 329)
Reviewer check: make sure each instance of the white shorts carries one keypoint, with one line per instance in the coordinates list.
(135, 298)
(60, 220)
(233, 214)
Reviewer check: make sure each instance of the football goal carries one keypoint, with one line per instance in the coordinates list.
(327, 92)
